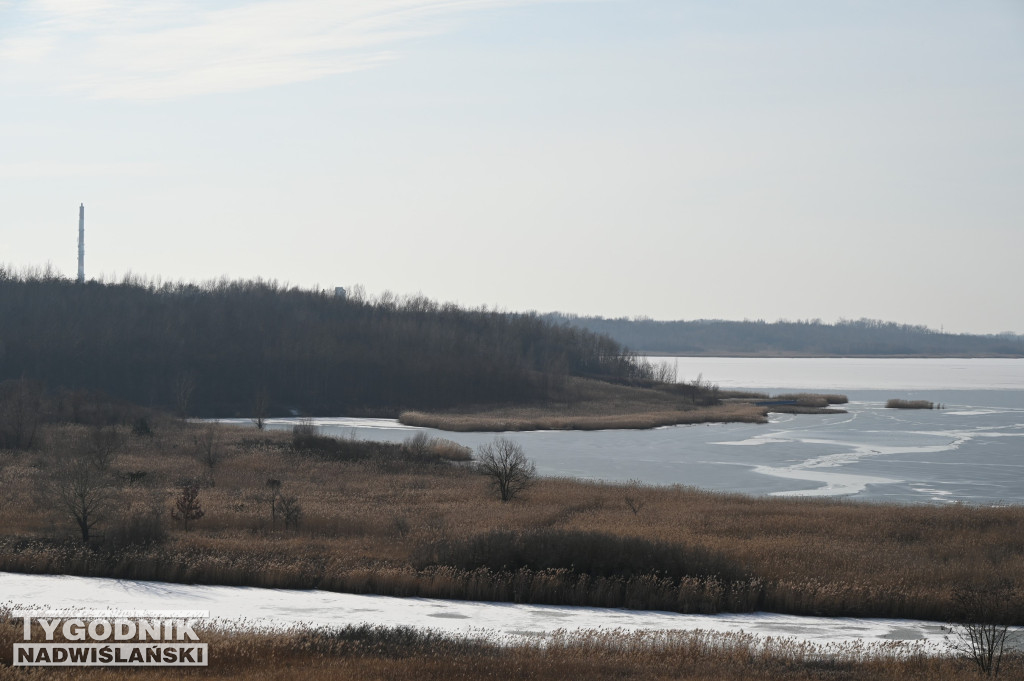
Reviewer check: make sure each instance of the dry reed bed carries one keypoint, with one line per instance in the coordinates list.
(909, 404)
(542, 419)
(598, 406)
(595, 405)
(378, 524)
(367, 652)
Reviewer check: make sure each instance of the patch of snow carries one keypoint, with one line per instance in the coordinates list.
(279, 608)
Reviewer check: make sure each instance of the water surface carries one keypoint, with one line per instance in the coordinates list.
(972, 450)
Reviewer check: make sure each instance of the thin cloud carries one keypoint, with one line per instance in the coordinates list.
(122, 49)
(55, 169)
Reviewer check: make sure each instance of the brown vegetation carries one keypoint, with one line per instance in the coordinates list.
(909, 404)
(404, 520)
(541, 418)
(597, 405)
(814, 399)
(368, 653)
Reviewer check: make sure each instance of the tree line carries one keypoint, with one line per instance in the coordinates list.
(862, 337)
(255, 347)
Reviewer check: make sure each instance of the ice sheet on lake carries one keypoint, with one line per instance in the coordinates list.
(833, 484)
(339, 422)
(279, 608)
(969, 452)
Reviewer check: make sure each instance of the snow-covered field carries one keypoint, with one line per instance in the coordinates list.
(278, 608)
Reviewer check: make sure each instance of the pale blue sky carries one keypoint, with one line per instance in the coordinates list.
(675, 159)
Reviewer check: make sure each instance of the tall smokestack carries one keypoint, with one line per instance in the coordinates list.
(81, 244)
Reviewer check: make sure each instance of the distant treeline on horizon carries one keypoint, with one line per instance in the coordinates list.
(846, 338)
(234, 348)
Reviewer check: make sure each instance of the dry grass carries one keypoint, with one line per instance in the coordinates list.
(909, 404)
(390, 522)
(539, 418)
(814, 399)
(366, 652)
(592, 405)
(598, 405)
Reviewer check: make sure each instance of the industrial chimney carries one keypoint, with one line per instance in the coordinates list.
(81, 244)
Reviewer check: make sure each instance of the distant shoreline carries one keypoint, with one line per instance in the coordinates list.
(862, 338)
(796, 355)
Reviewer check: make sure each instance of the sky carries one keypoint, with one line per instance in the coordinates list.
(673, 159)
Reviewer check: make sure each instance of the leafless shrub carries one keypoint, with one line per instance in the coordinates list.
(260, 407)
(664, 373)
(632, 496)
(982, 630)
(102, 445)
(290, 511)
(206, 447)
(417, 444)
(186, 506)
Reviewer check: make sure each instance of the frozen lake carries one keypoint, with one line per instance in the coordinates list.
(278, 608)
(972, 451)
(852, 373)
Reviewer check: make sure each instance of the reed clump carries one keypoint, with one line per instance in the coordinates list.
(407, 520)
(909, 404)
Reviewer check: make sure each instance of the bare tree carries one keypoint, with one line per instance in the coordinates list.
(982, 629)
(81, 492)
(508, 468)
(186, 505)
(260, 408)
(207, 447)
